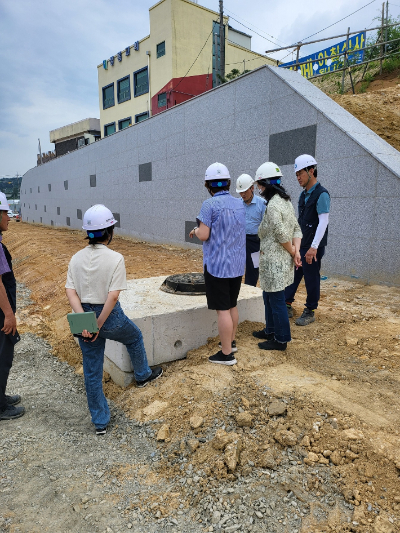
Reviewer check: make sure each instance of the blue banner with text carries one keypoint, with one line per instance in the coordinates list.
(331, 58)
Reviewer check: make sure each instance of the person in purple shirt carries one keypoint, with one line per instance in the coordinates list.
(222, 228)
(8, 323)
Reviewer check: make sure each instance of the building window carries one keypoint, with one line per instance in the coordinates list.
(108, 96)
(124, 123)
(161, 49)
(66, 185)
(141, 116)
(58, 211)
(123, 90)
(68, 221)
(43, 208)
(162, 100)
(49, 185)
(79, 214)
(38, 189)
(92, 180)
(109, 129)
(141, 81)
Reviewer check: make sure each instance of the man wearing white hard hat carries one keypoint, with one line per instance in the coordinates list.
(221, 227)
(255, 209)
(8, 325)
(96, 276)
(314, 206)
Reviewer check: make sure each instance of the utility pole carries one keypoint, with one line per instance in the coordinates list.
(387, 22)
(40, 152)
(382, 37)
(221, 40)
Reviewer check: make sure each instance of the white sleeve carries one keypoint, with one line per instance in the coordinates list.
(321, 228)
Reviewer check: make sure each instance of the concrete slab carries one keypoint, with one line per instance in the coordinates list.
(171, 324)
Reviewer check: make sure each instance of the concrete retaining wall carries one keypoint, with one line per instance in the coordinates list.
(151, 174)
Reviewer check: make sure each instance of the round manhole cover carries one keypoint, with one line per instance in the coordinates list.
(190, 284)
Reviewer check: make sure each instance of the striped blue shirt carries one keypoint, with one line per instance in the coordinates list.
(224, 253)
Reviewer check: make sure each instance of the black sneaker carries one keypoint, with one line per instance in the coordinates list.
(262, 335)
(101, 431)
(155, 374)
(222, 359)
(13, 400)
(234, 347)
(306, 318)
(290, 311)
(273, 345)
(11, 412)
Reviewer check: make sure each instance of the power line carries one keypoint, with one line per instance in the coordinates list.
(320, 31)
(240, 62)
(347, 16)
(259, 34)
(276, 39)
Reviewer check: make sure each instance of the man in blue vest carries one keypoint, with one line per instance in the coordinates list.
(314, 205)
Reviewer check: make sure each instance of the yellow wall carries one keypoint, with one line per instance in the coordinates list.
(184, 26)
(160, 30)
(128, 65)
(235, 54)
(191, 25)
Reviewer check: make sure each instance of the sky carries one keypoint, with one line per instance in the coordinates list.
(50, 49)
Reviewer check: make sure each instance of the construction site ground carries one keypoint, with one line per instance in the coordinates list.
(305, 440)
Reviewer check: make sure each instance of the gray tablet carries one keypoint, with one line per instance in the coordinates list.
(80, 321)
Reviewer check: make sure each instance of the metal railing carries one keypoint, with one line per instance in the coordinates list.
(382, 42)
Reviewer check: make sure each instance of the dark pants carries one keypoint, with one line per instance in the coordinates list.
(6, 359)
(312, 279)
(276, 316)
(252, 245)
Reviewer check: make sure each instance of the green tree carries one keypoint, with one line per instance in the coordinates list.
(393, 34)
(234, 73)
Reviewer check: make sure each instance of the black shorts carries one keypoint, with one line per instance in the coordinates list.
(222, 293)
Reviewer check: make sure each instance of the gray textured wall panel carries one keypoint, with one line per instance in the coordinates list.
(389, 185)
(284, 147)
(235, 124)
(291, 112)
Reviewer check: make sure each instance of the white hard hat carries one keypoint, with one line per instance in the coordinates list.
(217, 171)
(268, 171)
(98, 217)
(244, 182)
(304, 161)
(3, 202)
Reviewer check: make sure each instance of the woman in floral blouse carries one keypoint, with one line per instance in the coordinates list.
(280, 237)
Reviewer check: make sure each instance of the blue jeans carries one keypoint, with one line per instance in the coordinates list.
(117, 327)
(276, 316)
(312, 279)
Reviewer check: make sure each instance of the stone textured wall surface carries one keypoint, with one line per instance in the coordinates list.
(267, 114)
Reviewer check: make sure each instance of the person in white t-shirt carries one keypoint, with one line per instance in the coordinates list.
(96, 276)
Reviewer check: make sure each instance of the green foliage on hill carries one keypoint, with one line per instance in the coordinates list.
(11, 187)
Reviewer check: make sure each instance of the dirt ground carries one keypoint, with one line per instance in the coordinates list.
(338, 383)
